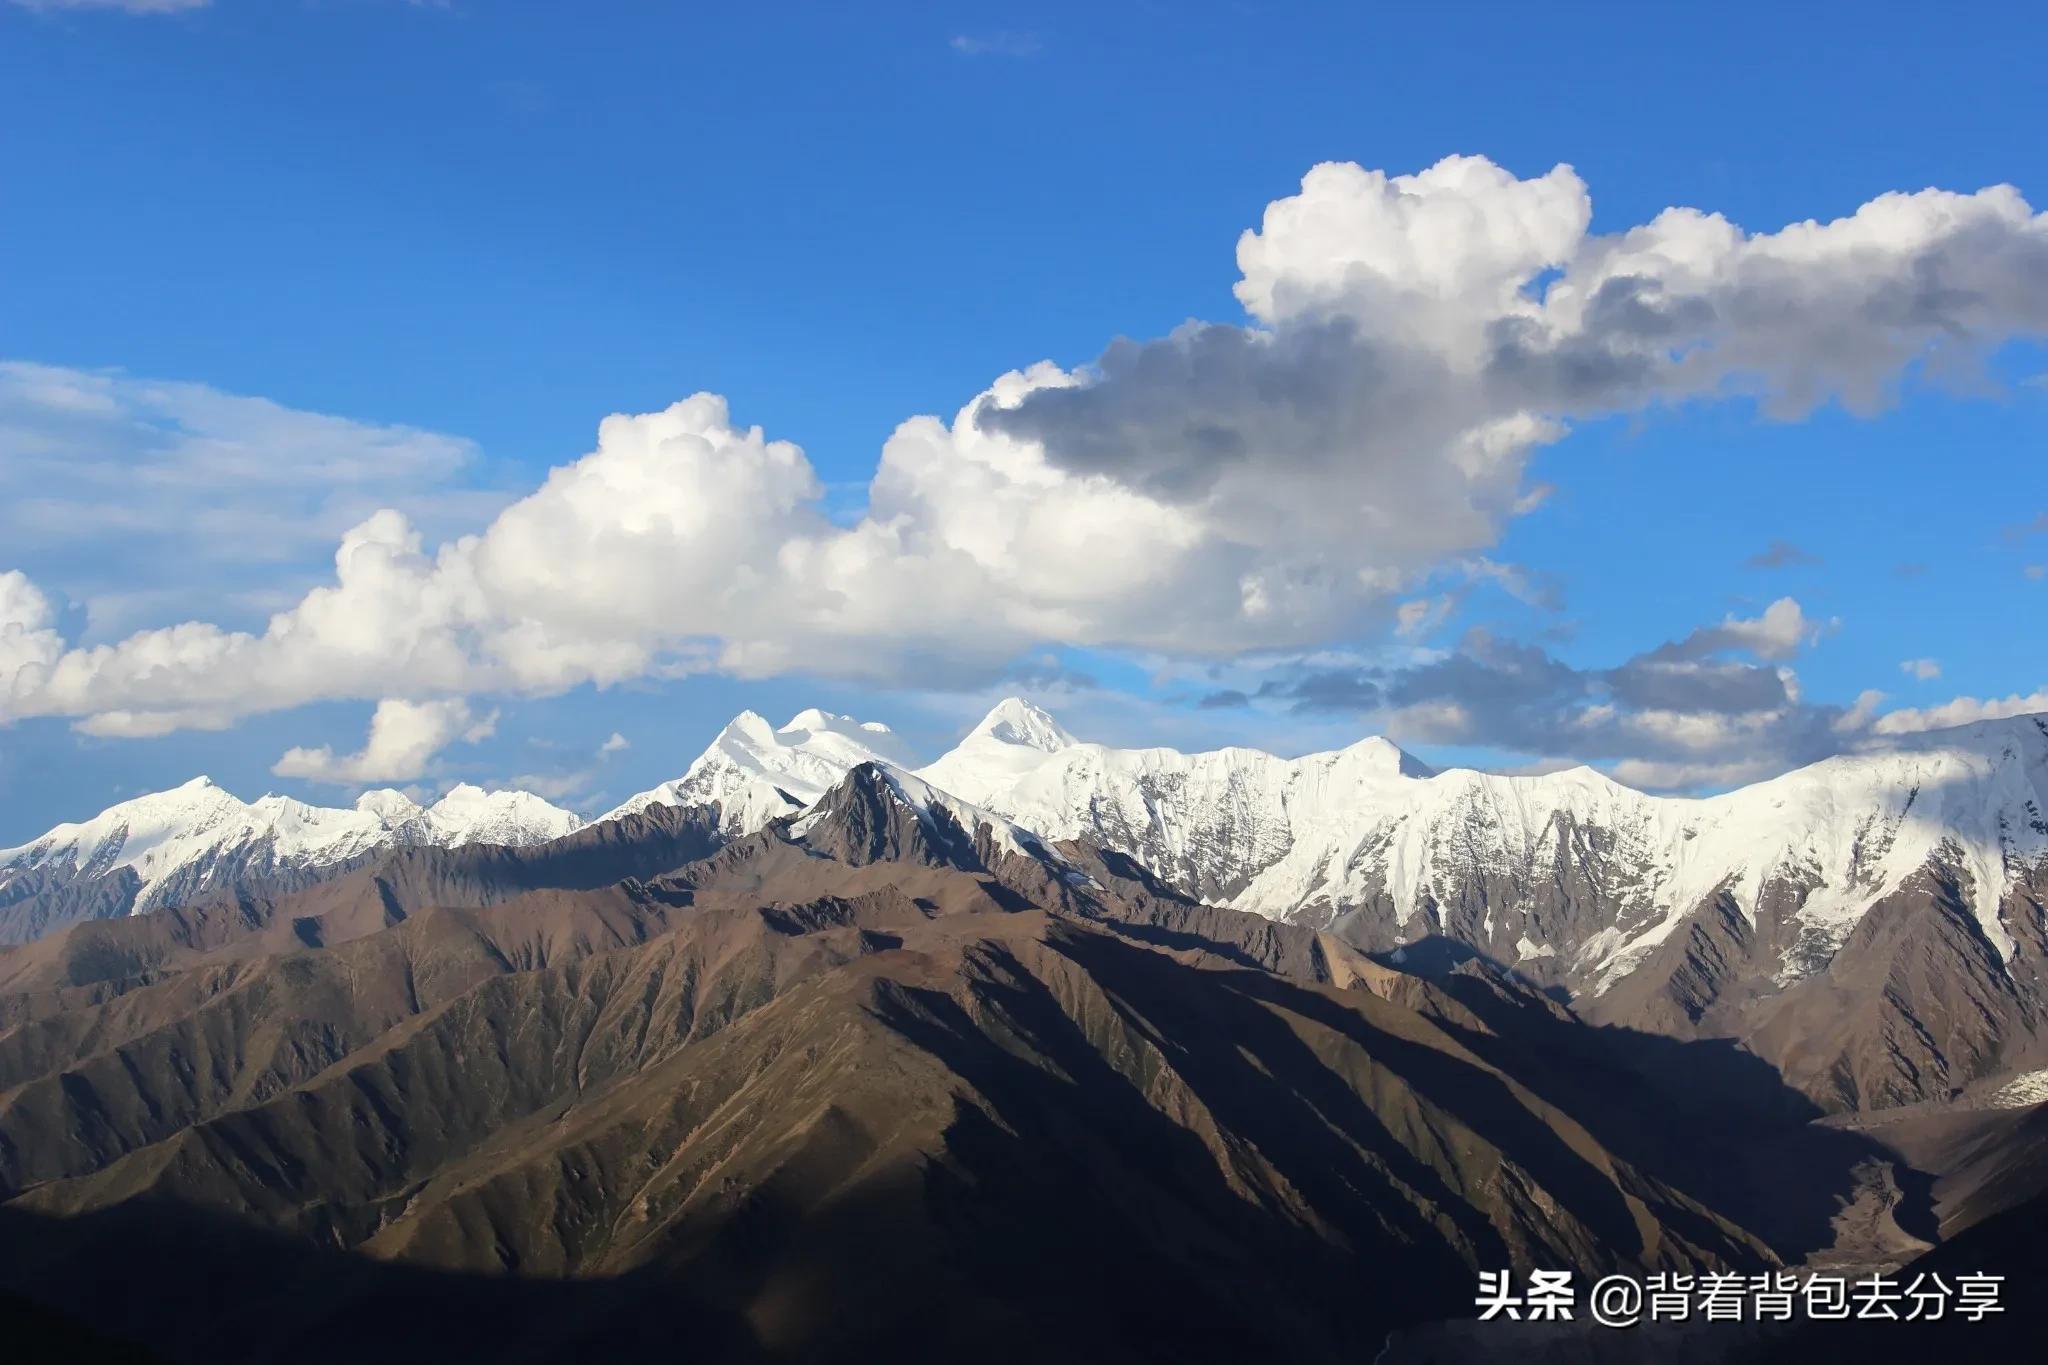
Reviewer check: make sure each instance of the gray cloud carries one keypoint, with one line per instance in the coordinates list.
(1726, 717)
(1725, 688)
(1343, 691)
(1169, 417)
(1491, 675)
(1710, 707)
(1400, 365)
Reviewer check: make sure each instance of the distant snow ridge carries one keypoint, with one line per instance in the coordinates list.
(757, 773)
(1212, 823)
(197, 836)
(1369, 827)
(1571, 875)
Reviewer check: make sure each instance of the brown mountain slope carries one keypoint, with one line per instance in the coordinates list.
(881, 1085)
(94, 960)
(982, 1110)
(1915, 1005)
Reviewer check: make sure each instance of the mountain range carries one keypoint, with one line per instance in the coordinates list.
(1909, 877)
(1043, 1048)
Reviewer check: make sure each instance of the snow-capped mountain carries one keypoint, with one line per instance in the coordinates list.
(1873, 924)
(755, 772)
(1569, 873)
(1905, 881)
(1011, 740)
(1208, 823)
(168, 847)
(468, 814)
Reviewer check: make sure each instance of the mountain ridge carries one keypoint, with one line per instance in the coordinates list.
(1918, 868)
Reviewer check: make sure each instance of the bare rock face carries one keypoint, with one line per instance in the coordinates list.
(865, 819)
(1917, 1003)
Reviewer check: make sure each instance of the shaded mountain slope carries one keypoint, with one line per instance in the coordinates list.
(882, 1083)
(93, 960)
(197, 841)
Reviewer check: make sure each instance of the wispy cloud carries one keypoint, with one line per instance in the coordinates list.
(1780, 554)
(573, 785)
(143, 499)
(1923, 669)
(2038, 526)
(121, 6)
(1002, 43)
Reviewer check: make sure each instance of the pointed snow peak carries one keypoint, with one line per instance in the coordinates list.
(1382, 754)
(748, 725)
(1011, 740)
(756, 773)
(199, 783)
(1016, 721)
(387, 804)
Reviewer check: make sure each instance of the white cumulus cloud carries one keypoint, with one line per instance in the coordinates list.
(404, 738)
(1960, 711)
(29, 642)
(1276, 484)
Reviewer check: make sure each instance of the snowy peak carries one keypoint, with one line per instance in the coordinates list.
(197, 837)
(1016, 721)
(393, 808)
(756, 773)
(814, 721)
(1375, 754)
(747, 729)
(1011, 740)
(468, 814)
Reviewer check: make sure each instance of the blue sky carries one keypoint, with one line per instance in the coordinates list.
(491, 225)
